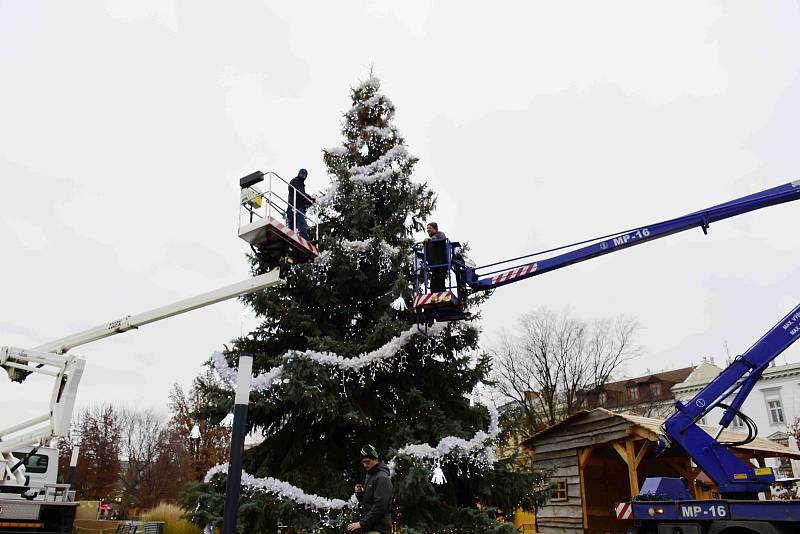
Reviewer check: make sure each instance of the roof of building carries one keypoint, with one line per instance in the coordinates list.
(675, 376)
(702, 374)
(706, 372)
(650, 428)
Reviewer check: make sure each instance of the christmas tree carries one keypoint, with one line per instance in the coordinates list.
(341, 364)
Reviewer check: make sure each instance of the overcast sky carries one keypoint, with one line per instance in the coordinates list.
(124, 127)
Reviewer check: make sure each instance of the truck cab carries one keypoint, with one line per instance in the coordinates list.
(40, 504)
(41, 467)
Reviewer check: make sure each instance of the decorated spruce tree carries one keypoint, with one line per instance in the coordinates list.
(340, 363)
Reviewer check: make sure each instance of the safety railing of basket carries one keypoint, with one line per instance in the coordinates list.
(274, 203)
(421, 273)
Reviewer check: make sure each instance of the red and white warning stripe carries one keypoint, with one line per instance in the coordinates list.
(624, 510)
(294, 236)
(431, 298)
(514, 273)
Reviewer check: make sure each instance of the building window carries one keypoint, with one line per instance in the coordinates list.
(785, 469)
(775, 409)
(560, 490)
(633, 393)
(655, 389)
(737, 422)
(601, 399)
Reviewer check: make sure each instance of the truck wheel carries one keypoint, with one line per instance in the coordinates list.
(746, 527)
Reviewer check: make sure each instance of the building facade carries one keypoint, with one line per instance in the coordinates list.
(649, 395)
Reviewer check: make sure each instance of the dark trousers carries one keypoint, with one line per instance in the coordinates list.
(297, 218)
(437, 278)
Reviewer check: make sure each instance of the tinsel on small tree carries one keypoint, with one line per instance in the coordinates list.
(353, 371)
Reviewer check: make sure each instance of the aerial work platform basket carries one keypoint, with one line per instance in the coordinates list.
(441, 294)
(269, 222)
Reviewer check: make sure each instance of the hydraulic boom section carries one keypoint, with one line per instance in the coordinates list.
(666, 504)
(449, 301)
(51, 360)
(733, 477)
(591, 248)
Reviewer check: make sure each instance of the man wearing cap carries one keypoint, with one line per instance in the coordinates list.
(436, 252)
(375, 496)
(298, 202)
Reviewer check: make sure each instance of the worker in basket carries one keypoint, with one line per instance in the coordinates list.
(436, 254)
(298, 202)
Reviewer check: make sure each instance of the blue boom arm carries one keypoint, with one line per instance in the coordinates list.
(516, 269)
(732, 475)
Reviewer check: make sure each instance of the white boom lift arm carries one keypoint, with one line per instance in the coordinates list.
(51, 359)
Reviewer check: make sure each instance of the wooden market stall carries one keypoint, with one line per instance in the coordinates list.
(600, 458)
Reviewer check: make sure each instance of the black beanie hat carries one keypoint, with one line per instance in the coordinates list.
(369, 451)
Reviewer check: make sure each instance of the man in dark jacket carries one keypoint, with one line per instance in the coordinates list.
(298, 202)
(375, 496)
(436, 253)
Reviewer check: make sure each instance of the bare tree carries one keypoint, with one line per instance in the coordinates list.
(160, 457)
(544, 369)
(142, 441)
(611, 345)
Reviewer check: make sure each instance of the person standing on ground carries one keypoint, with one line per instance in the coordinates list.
(298, 202)
(375, 496)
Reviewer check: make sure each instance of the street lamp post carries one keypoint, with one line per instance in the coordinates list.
(73, 464)
(234, 489)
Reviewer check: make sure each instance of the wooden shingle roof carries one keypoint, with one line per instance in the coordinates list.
(650, 428)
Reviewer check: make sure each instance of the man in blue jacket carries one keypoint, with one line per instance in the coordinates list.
(375, 496)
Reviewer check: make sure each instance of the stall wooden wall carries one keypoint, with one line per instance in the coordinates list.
(562, 517)
(560, 450)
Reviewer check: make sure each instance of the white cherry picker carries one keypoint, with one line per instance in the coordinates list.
(31, 499)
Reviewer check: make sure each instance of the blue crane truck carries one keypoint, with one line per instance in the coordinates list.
(664, 505)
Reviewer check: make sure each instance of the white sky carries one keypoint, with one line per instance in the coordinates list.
(124, 127)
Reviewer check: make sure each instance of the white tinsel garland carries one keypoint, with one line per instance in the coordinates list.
(372, 81)
(285, 490)
(384, 168)
(379, 132)
(388, 350)
(374, 100)
(266, 380)
(366, 244)
(476, 447)
(380, 169)
(451, 443)
(227, 374)
(477, 450)
(358, 247)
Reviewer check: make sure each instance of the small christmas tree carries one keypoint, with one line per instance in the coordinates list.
(341, 365)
